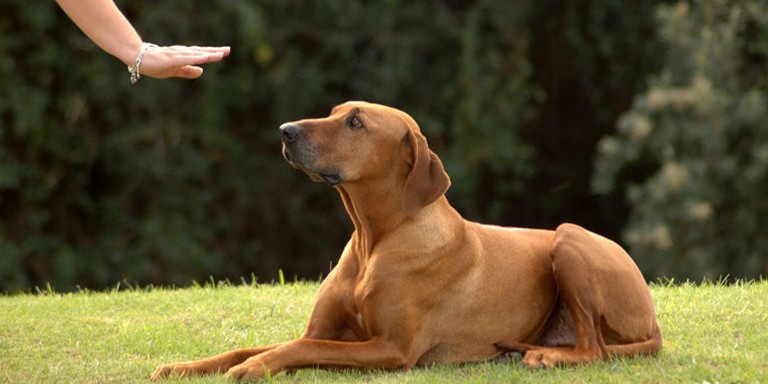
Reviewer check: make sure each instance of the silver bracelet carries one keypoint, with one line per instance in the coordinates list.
(134, 69)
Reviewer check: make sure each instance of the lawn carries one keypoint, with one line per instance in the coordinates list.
(713, 333)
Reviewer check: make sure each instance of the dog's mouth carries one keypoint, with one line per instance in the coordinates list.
(332, 178)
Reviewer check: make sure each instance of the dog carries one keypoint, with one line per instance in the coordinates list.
(417, 284)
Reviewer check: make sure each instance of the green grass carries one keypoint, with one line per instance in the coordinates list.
(713, 333)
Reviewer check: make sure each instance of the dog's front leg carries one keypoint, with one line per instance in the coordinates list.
(211, 365)
(306, 352)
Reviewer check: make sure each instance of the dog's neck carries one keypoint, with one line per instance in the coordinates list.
(372, 221)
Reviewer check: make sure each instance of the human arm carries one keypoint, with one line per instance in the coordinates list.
(106, 26)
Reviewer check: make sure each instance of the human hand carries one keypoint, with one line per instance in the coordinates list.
(179, 60)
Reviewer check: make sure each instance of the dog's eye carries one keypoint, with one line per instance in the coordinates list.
(355, 122)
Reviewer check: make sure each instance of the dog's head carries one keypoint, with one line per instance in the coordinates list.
(367, 143)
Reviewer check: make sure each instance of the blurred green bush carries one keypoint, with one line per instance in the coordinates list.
(170, 181)
(692, 152)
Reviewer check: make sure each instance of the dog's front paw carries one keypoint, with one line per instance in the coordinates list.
(246, 371)
(257, 367)
(178, 369)
(162, 372)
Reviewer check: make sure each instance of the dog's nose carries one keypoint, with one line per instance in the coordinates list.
(290, 132)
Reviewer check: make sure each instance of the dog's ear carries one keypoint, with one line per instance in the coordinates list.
(426, 180)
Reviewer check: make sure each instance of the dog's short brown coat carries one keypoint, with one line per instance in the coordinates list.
(418, 284)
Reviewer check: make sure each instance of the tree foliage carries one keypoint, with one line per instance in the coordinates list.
(170, 181)
(692, 152)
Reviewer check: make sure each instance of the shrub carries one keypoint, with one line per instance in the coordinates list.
(692, 153)
(168, 181)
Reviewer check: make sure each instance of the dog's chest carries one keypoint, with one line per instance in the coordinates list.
(358, 298)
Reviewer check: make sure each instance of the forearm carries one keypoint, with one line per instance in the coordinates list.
(103, 23)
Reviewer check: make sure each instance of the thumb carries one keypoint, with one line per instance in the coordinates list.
(189, 72)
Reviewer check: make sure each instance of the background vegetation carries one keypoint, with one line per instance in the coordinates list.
(172, 181)
(698, 136)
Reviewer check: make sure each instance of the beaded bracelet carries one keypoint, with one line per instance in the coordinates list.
(134, 69)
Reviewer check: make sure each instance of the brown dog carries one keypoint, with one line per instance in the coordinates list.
(417, 284)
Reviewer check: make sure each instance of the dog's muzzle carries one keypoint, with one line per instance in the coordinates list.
(301, 155)
(292, 150)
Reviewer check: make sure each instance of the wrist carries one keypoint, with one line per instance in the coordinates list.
(127, 53)
(135, 67)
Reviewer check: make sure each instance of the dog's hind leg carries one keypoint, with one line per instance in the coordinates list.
(607, 297)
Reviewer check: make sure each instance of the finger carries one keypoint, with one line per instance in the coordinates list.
(193, 53)
(189, 72)
(194, 59)
(223, 50)
(197, 49)
(208, 58)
